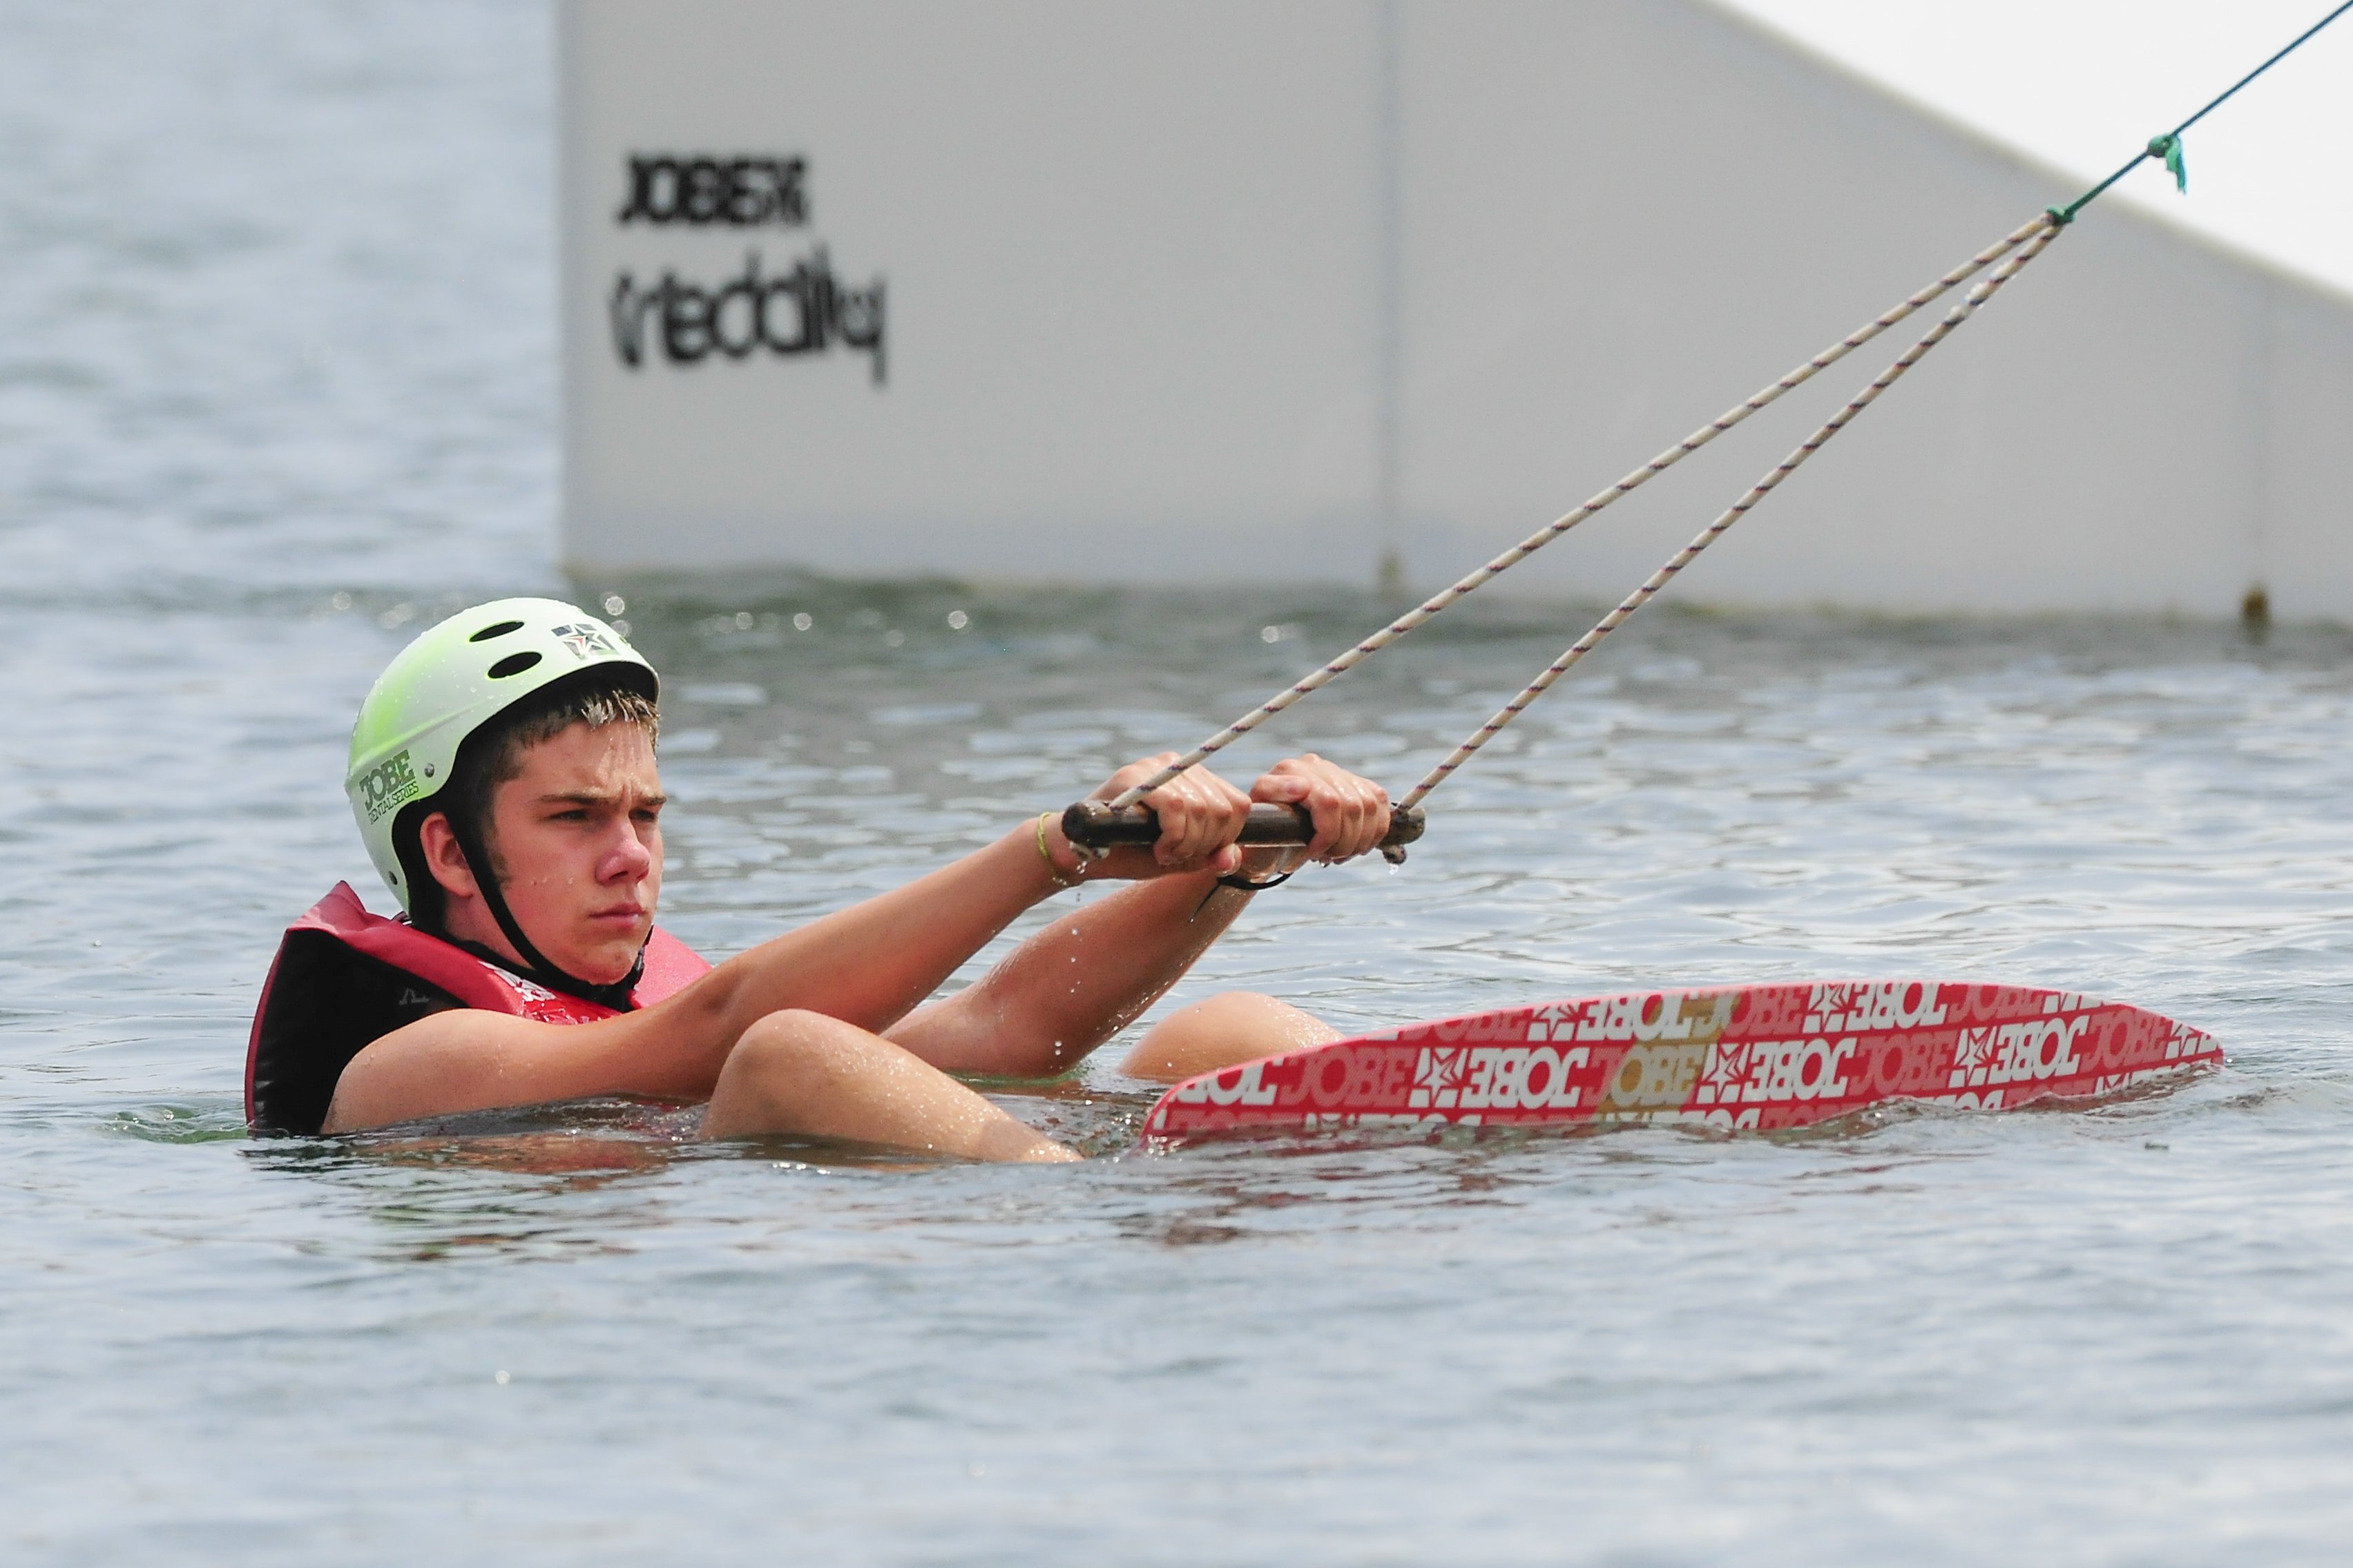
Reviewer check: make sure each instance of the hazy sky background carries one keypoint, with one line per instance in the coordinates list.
(2080, 84)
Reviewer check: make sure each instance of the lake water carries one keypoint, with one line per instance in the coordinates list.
(277, 388)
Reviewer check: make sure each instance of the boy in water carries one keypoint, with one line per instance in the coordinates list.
(503, 774)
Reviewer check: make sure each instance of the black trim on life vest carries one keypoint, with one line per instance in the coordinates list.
(326, 1004)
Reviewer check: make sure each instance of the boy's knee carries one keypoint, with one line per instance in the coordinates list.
(1221, 1030)
(1228, 1013)
(786, 1073)
(790, 1047)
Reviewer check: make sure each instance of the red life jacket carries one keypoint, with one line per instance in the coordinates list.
(344, 978)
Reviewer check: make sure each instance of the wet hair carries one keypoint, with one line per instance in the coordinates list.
(494, 754)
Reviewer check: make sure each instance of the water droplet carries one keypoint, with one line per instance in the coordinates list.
(1270, 634)
(744, 620)
(500, 1378)
(803, 621)
(958, 620)
(893, 637)
(614, 604)
(341, 601)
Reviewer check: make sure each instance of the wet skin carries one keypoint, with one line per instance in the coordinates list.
(577, 843)
(824, 1032)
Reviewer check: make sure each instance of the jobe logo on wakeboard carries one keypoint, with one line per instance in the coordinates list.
(1495, 1077)
(387, 784)
(2017, 1053)
(1756, 1057)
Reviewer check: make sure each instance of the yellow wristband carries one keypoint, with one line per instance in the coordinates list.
(1075, 877)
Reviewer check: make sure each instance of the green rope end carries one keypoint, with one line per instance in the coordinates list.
(2170, 149)
(2059, 216)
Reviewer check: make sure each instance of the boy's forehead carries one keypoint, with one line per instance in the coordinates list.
(607, 758)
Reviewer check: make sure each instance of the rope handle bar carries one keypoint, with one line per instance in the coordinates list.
(1101, 825)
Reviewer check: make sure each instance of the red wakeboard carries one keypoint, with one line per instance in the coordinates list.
(1747, 1058)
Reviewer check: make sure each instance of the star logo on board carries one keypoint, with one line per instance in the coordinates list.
(1438, 1078)
(1828, 1009)
(1969, 1054)
(1726, 1064)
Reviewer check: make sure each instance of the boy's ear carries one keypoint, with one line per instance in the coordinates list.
(444, 858)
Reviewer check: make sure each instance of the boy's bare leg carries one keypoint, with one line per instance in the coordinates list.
(1231, 1027)
(803, 1073)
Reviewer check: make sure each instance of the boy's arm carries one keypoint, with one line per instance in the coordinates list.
(1076, 983)
(1091, 972)
(865, 965)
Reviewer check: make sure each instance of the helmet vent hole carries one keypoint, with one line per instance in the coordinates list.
(498, 630)
(513, 664)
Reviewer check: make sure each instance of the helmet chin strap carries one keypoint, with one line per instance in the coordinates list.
(538, 969)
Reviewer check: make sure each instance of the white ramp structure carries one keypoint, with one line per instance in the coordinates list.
(1283, 290)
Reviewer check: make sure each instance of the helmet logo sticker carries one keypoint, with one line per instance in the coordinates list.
(387, 784)
(585, 641)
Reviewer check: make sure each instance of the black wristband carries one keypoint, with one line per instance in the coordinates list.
(1236, 880)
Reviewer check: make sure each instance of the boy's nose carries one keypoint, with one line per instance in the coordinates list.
(629, 858)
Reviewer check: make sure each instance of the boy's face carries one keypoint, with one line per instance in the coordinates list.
(577, 838)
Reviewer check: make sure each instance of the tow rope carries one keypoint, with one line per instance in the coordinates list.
(1098, 824)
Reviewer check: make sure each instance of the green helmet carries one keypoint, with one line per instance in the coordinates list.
(449, 683)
